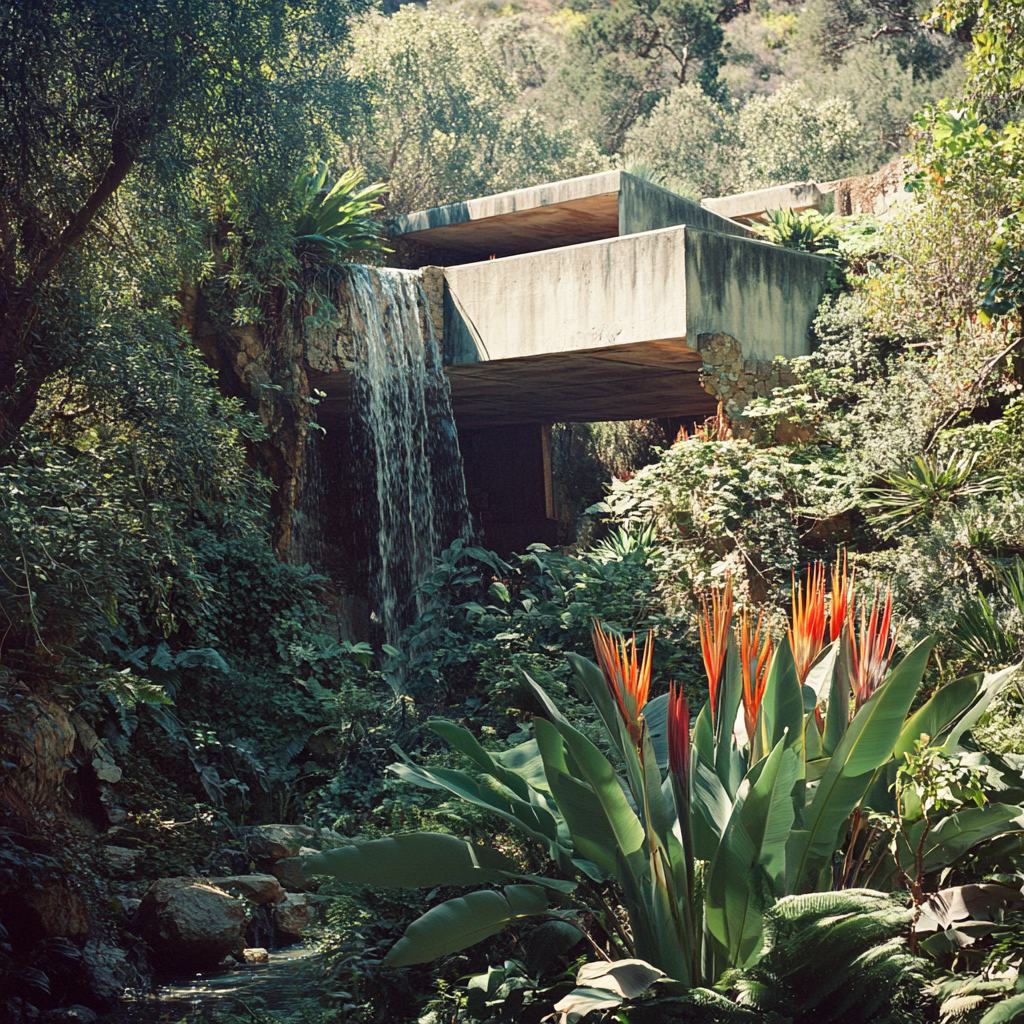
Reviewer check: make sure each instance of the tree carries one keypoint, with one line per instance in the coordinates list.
(444, 121)
(625, 57)
(175, 97)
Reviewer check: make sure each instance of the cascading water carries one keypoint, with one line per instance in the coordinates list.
(406, 448)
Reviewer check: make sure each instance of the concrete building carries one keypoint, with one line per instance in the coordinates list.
(598, 298)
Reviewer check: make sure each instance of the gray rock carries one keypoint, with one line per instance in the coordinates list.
(275, 842)
(257, 889)
(190, 924)
(70, 1015)
(291, 918)
(121, 860)
(106, 973)
(289, 871)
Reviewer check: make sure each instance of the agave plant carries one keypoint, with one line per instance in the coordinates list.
(336, 218)
(807, 231)
(919, 493)
(700, 826)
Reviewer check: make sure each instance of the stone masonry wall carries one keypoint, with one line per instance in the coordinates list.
(733, 380)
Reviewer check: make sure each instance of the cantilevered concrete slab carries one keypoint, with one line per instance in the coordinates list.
(598, 206)
(610, 330)
(752, 207)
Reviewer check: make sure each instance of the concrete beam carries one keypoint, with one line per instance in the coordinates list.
(751, 207)
(562, 213)
(608, 330)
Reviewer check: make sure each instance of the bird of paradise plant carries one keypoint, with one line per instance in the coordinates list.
(700, 852)
(871, 648)
(807, 620)
(842, 596)
(755, 661)
(713, 625)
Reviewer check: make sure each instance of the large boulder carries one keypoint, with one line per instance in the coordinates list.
(289, 871)
(258, 889)
(291, 918)
(275, 842)
(56, 909)
(189, 924)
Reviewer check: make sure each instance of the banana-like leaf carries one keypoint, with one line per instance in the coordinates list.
(526, 762)
(536, 821)
(594, 806)
(464, 740)
(939, 714)
(603, 986)
(991, 684)
(464, 921)
(866, 745)
(593, 683)
(656, 717)
(1008, 1010)
(819, 677)
(837, 715)
(711, 810)
(752, 852)
(416, 860)
(783, 703)
(954, 835)
(729, 763)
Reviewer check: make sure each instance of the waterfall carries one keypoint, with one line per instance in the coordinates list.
(407, 464)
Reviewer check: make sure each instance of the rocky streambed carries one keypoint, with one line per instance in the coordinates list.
(138, 950)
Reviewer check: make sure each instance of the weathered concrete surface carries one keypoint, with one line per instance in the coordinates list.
(608, 330)
(752, 206)
(572, 212)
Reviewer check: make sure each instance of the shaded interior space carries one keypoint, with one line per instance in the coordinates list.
(651, 380)
(543, 227)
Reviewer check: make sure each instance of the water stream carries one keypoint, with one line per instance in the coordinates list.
(279, 985)
(406, 448)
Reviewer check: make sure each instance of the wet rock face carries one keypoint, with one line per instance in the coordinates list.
(55, 910)
(289, 871)
(189, 924)
(275, 842)
(291, 918)
(258, 889)
(36, 740)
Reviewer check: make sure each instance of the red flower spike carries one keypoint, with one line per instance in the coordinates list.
(871, 649)
(627, 675)
(807, 628)
(678, 733)
(755, 660)
(842, 596)
(714, 638)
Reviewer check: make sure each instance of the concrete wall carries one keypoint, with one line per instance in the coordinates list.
(610, 292)
(647, 207)
(760, 294)
(670, 284)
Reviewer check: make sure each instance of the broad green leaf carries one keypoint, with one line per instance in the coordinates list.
(819, 678)
(866, 745)
(1008, 1010)
(419, 859)
(710, 810)
(464, 740)
(752, 850)
(535, 820)
(525, 761)
(461, 922)
(656, 717)
(594, 803)
(991, 684)
(938, 714)
(837, 714)
(783, 703)
(593, 683)
(954, 835)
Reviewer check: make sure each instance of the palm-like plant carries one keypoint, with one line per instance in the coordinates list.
(807, 231)
(336, 218)
(699, 826)
(924, 489)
